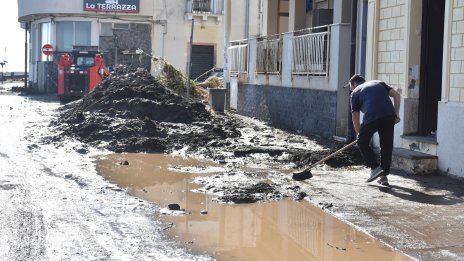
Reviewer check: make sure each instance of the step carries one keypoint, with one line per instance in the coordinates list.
(425, 144)
(414, 162)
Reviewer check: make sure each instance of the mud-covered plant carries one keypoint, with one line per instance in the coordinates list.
(173, 79)
(212, 82)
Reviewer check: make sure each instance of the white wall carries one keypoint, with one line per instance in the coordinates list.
(450, 139)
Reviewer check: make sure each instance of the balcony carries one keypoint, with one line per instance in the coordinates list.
(306, 52)
(205, 9)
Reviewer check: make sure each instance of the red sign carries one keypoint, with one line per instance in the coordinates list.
(47, 49)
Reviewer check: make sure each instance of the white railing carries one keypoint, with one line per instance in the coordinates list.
(268, 58)
(310, 54)
(205, 6)
(307, 53)
(238, 58)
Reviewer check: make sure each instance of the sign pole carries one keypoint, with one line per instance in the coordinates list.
(25, 56)
(189, 64)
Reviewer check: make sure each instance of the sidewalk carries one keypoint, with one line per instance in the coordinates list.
(422, 216)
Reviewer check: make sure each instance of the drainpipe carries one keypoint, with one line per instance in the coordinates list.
(226, 46)
(260, 18)
(189, 63)
(351, 134)
(354, 19)
(247, 20)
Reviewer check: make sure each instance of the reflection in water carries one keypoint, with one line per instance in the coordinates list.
(284, 230)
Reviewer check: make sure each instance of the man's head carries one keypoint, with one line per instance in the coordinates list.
(356, 80)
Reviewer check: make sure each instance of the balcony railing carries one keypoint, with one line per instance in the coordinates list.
(306, 53)
(311, 52)
(238, 57)
(268, 59)
(205, 6)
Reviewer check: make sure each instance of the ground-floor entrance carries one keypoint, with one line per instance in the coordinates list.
(433, 15)
(202, 61)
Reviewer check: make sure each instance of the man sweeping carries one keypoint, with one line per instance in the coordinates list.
(372, 98)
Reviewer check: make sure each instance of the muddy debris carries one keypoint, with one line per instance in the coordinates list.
(124, 163)
(350, 157)
(131, 111)
(250, 194)
(300, 195)
(173, 206)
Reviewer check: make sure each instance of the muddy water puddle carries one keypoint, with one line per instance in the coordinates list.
(279, 230)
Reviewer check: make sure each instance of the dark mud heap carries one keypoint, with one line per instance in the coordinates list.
(131, 111)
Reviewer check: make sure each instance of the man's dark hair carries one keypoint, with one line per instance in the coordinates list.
(358, 79)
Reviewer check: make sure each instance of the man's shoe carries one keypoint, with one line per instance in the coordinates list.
(383, 181)
(375, 173)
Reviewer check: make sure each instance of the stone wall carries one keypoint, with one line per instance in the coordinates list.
(138, 36)
(306, 111)
(456, 75)
(391, 45)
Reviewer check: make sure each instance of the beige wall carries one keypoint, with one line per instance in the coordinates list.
(172, 33)
(171, 25)
(237, 19)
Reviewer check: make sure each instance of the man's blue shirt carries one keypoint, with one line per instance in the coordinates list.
(372, 99)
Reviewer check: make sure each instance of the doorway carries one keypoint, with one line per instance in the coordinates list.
(433, 20)
(202, 61)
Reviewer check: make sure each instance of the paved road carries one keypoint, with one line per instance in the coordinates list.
(421, 216)
(53, 204)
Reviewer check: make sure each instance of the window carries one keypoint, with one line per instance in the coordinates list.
(106, 29)
(120, 26)
(82, 33)
(85, 61)
(45, 38)
(69, 34)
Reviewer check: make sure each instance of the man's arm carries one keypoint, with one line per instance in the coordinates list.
(396, 103)
(356, 122)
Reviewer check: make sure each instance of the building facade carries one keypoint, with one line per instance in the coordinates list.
(118, 28)
(417, 47)
(289, 61)
(287, 70)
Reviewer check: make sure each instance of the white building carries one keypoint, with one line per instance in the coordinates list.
(289, 73)
(418, 47)
(118, 28)
(289, 61)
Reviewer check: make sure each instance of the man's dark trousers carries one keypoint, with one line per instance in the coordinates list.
(385, 127)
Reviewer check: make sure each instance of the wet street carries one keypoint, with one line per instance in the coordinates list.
(54, 205)
(277, 230)
(66, 200)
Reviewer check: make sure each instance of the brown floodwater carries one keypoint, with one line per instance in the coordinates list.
(280, 230)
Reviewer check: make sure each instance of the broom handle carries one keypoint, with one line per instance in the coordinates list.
(332, 155)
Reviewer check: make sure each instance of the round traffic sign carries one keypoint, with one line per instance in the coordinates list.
(47, 49)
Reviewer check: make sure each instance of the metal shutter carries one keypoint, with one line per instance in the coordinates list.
(202, 60)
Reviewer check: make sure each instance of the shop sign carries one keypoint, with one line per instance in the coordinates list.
(122, 6)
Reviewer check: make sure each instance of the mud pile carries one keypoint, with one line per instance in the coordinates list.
(132, 112)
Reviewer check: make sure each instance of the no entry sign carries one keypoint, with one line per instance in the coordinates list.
(47, 49)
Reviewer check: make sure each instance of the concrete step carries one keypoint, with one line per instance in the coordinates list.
(425, 144)
(414, 162)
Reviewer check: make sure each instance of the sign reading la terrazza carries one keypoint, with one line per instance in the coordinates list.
(122, 6)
